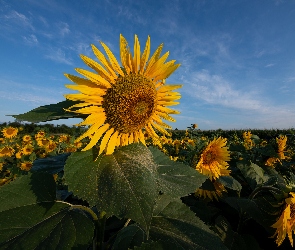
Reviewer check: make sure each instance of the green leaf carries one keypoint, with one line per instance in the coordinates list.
(232, 239)
(175, 178)
(174, 227)
(122, 184)
(177, 227)
(46, 225)
(150, 246)
(230, 182)
(30, 218)
(48, 112)
(27, 189)
(52, 165)
(130, 236)
(253, 173)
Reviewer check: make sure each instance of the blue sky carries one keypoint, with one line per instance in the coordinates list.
(237, 57)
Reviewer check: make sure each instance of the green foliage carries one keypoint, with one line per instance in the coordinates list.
(48, 112)
(173, 226)
(31, 218)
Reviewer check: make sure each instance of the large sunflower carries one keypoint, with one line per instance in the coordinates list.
(124, 102)
(9, 132)
(286, 222)
(213, 160)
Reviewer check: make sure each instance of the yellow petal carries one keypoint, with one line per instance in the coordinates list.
(112, 143)
(94, 77)
(136, 59)
(98, 133)
(97, 67)
(81, 81)
(105, 140)
(112, 59)
(154, 58)
(104, 61)
(145, 55)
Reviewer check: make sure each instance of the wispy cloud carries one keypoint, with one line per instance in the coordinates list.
(63, 28)
(58, 55)
(214, 89)
(16, 18)
(269, 65)
(31, 39)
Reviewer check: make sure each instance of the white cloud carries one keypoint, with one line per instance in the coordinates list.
(19, 19)
(31, 39)
(63, 28)
(58, 55)
(214, 89)
(269, 65)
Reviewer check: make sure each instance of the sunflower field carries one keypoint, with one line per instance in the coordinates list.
(125, 180)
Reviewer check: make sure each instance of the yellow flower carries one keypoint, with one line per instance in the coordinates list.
(43, 142)
(26, 166)
(212, 191)
(286, 222)
(123, 103)
(213, 160)
(50, 146)
(9, 132)
(27, 150)
(64, 138)
(19, 155)
(281, 141)
(195, 126)
(2, 140)
(248, 143)
(6, 151)
(40, 135)
(27, 138)
(1, 166)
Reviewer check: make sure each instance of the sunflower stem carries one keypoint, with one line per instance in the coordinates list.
(98, 243)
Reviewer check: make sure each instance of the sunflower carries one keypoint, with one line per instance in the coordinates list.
(248, 143)
(213, 160)
(26, 166)
(210, 190)
(27, 138)
(6, 151)
(50, 146)
(27, 150)
(64, 138)
(41, 134)
(9, 132)
(281, 142)
(286, 222)
(123, 103)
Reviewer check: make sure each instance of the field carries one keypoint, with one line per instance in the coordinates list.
(244, 184)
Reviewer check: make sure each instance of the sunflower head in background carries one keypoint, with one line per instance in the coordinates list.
(123, 102)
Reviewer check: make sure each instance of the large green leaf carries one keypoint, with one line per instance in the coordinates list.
(178, 228)
(48, 112)
(30, 218)
(28, 189)
(230, 182)
(253, 173)
(46, 225)
(122, 184)
(52, 165)
(232, 239)
(174, 227)
(175, 178)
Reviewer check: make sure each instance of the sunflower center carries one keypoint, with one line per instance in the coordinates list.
(209, 157)
(130, 103)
